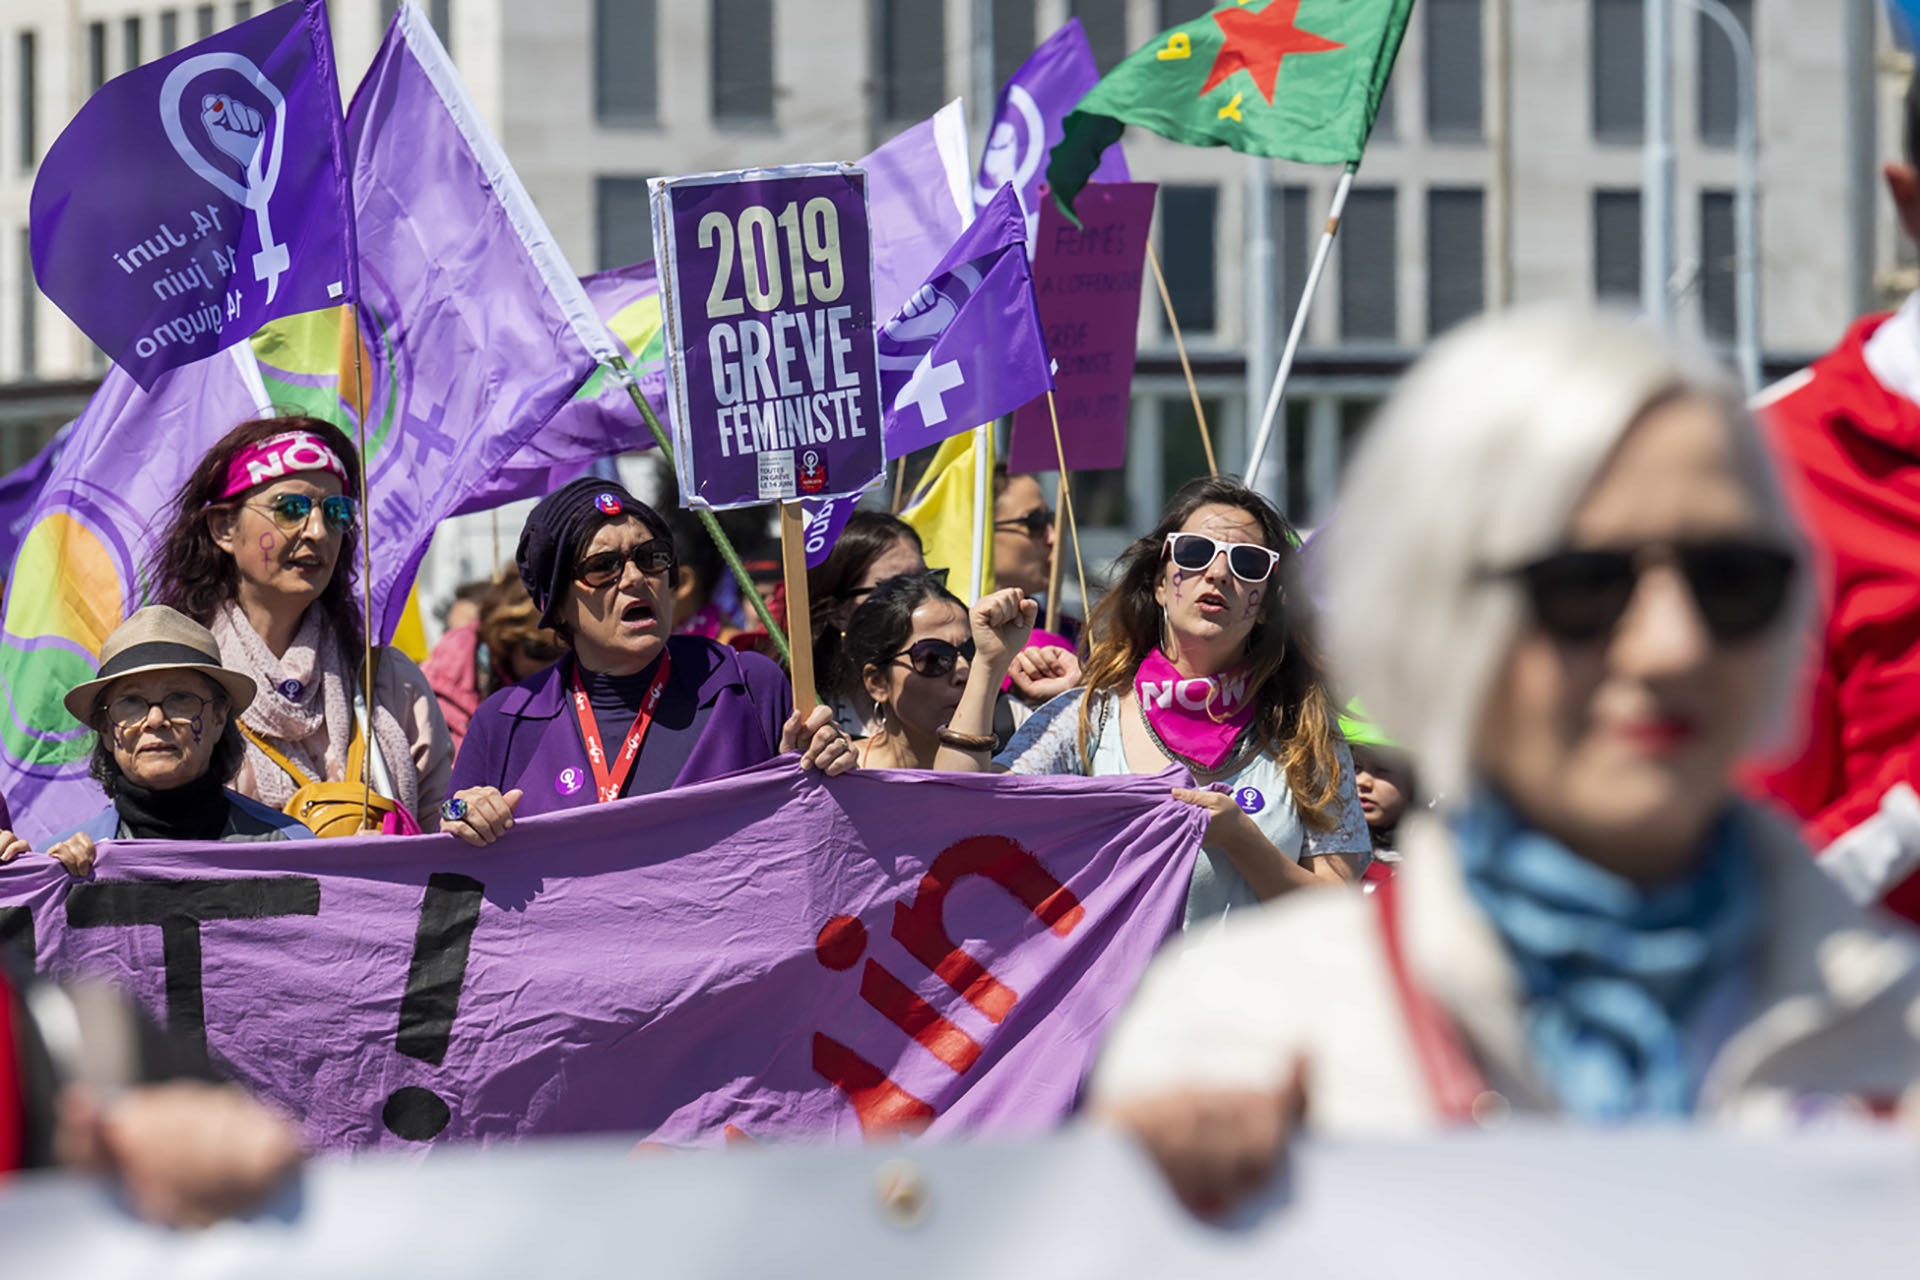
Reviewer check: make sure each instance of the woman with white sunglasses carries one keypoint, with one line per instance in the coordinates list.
(1202, 656)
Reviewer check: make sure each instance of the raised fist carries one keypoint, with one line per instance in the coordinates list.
(236, 128)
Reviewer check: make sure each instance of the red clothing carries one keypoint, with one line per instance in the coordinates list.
(1848, 449)
(454, 676)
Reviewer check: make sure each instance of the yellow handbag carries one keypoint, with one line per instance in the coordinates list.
(330, 809)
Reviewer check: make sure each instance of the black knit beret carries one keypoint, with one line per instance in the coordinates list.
(560, 527)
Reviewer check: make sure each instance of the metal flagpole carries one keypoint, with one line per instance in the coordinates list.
(1314, 272)
(1656, 204)
(1260, 307)
(982, 508)
(1746, 235)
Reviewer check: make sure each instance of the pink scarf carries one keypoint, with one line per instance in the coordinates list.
(1196, 717)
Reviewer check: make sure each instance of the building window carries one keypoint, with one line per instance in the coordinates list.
(1719, 79)
(1453, 69)
(130, 42)
(1456, 256)
(242, 10)
(29, 335)
(1719, 265)
(742, 45)
(203, 22)
(96, 56)
(440, 14)
(912, 59)
(626, 69)
(1369, 266)
(27, 86)
(1012, 37)
(1173, 13)
(623, 222)
(1290, 241)
(169, 32)
(1619, 66)
(1386, 120)
(1105, 22)
(1187, 253)
(1616, 246)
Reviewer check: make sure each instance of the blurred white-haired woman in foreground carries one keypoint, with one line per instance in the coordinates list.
(1563, 575)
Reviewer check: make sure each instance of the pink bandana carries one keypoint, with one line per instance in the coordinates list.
(1196, 717)
(277, 457)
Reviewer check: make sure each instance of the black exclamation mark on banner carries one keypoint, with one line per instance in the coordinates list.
(448, 913)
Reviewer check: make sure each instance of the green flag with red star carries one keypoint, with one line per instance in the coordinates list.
(1296, 79)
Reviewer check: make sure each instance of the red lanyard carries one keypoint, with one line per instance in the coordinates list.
(610, 783)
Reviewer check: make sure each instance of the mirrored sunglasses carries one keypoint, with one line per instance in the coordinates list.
(291, 511)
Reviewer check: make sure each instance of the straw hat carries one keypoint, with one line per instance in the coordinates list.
(157, 638)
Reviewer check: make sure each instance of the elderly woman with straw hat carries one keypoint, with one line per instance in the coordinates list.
(164, 712)
(1564, 576)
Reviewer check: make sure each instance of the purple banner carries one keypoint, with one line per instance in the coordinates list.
(1087, 282)
(198, 197)
(779, 958)
(1029, 120)
(771, 334)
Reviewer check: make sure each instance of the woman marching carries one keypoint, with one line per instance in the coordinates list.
(629, 710)
(910, 649)
(1201, 656)
(259, 549)
(1565, 576)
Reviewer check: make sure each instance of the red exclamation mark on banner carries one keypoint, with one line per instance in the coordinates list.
(448, 914)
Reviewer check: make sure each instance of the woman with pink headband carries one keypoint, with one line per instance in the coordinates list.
(260, 550)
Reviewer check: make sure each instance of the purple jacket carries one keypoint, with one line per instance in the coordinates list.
(721, 711)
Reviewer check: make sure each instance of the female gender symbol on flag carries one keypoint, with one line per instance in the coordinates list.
(240, 132)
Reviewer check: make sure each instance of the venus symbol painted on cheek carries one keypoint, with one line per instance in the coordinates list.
(268, 545)
(1253, 600)
(194, 725)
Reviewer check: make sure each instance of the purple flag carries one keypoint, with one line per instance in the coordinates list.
(198, 197)
(1086, 280)
(1029, 121)
(475, 333)
(601, 420)
(918, 203)
(781, 957)
(967, 347)
(825, 518)
(20, 490)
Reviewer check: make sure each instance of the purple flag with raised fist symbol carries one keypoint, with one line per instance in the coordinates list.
(780, 958)
(198, 197)
(1029, 119)
(967, 347)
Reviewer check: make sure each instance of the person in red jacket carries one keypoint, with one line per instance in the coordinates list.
(1846, 434)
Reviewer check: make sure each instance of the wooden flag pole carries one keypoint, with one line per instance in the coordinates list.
(1320, 255)
(899, 483)
(1180, 345)
(1066, 508)
(793, 563)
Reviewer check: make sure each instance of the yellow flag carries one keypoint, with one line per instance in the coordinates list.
(942, 514)
(410, 636)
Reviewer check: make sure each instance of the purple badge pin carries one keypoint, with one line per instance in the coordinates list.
(571, 779)
(290, 690)
(609, 503)
(1249, 799)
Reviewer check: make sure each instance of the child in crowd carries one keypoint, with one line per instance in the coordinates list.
(1383, 775)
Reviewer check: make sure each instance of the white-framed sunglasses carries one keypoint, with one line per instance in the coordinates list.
(1249, 561)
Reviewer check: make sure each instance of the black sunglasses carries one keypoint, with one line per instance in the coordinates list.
(607, 567)
(291, 511)
(1579, 596)
(1034, 524)
(935, 658)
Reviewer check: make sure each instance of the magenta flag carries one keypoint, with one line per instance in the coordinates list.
(1086, 280)
(768, 955)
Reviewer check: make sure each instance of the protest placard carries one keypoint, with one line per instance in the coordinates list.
(775, 386)
(1087, 282)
